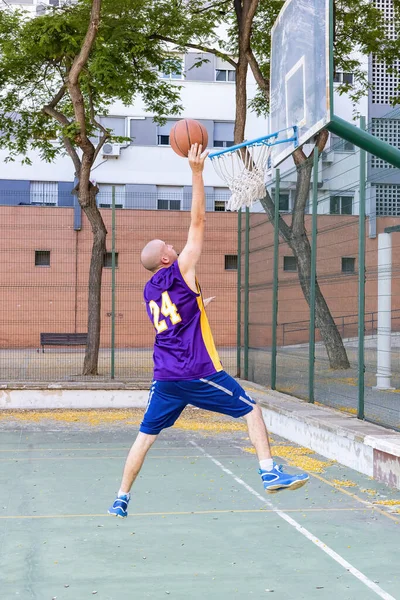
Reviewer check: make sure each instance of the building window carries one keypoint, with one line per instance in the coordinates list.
(225, 75)
(341, 205)
(173, 68)
(221, 198)
(220, 205)
(340, 145)
(163, 132)
(42, 258)
(231, 262)
(284, 202)
(169, 197)
(289, 263)
(168, 204)
(44, 193)
(343, 77)
(223, 134)
(163, 140)
(107, 262)
(105, 195)
(348, 264)
(224, 71)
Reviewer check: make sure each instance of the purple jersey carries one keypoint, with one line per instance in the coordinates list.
(184, 348)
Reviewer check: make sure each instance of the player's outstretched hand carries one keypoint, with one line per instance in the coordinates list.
(197, 157)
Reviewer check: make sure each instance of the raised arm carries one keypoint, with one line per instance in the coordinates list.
(190, 255)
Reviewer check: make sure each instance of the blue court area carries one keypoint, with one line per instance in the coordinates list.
(200, 525)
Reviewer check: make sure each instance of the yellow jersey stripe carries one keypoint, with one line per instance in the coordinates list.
(207, 336)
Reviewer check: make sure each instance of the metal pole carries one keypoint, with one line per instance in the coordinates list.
(239, 297)
(384, 331)
(313, 277)
(246, 294)
(113, 285)
(275, 280)
(361, 282)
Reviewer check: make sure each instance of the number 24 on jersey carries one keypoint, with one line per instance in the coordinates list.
(168, 309)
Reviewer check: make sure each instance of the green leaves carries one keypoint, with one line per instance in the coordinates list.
(125, 61)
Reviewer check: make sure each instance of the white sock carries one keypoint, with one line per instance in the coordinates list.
(267, 464)
(121, 493)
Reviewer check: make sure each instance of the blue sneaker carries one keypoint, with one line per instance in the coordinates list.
(277, 480)
(120, 506)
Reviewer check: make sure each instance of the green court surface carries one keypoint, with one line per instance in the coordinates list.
(200, 524)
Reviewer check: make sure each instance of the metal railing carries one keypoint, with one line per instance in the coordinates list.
(344, 326)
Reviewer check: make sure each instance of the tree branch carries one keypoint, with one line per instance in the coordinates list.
(320, 142)
(238, 10)
(269, 207)
(62, 119)
(262, 83)
(200, 47)
(105, 135)
(76, 69)
(60, 94)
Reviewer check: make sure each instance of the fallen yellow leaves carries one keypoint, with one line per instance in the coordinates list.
(298, 457)
(344, 483)
(191, 419)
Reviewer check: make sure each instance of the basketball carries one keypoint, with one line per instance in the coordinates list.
(185, 133)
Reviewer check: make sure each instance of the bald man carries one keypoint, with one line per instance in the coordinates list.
(187, 368)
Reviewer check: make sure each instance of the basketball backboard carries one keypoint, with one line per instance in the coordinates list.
(300, 91)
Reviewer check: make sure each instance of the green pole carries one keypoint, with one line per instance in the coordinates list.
(364, 140)
(239, 296)
(331, 65)
(361, 282)
(246, 294)
(275, 280)
(313, 277)
(113, 285)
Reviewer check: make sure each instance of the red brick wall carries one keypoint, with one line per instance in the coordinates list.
(337, 238)
(54, 299)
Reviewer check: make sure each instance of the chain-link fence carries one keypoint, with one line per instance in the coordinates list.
(354, 365)
(45, 250)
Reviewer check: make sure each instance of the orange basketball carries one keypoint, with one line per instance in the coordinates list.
(185, 133)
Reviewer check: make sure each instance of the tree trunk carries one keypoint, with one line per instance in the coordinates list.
(323, 319)
(296, 238)
(87, 200)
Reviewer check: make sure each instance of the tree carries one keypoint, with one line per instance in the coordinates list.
(358, 24)
(61, 70)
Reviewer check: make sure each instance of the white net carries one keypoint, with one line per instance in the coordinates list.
(243, 170)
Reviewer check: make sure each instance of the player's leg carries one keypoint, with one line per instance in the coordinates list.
(258, 433)
(222, 393)
(163, 408)
(133, 464)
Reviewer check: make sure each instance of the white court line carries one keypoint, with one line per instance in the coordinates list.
(339, 559)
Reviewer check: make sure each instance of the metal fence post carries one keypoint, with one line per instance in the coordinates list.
(275, 282)
(113, 285)
(246, 294)
(239, 297)
(361, 283)
(313, 276)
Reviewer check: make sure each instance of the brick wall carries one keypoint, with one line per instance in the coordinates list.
(39, 299)
(337, 238)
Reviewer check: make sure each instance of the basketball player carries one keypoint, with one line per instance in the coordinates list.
(187, 368)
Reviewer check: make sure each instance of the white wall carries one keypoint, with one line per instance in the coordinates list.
(148, 164)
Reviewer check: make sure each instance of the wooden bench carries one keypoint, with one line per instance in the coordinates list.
(63, 339)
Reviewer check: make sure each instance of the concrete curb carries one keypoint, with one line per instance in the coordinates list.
(58, 397)
(367, 448)
(362, 446)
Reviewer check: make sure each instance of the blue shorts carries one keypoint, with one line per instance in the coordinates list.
(218, 393)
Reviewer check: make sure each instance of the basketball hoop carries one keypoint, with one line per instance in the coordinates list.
(243, 166)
